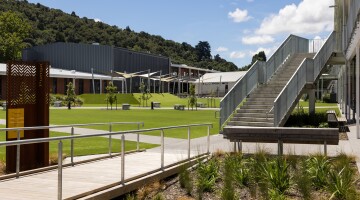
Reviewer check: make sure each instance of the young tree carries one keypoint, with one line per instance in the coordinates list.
(13, 31)
(192, 97)
(145, 93)
(111, 93)
(70, 94)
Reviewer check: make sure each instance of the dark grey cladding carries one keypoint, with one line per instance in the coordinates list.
(102, 58)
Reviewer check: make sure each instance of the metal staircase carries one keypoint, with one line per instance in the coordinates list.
(257, 110)
(267, 93)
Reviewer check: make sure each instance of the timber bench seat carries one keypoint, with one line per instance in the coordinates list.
(282, 135)
(179, 107)
(156, 104)
(336, 122)
(126, 106)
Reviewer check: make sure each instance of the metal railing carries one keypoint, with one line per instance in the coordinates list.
(259, 73)
(72, 126)
(122, 133)
(240, 90)
(307, 72)
(353, 19)
(293, 44)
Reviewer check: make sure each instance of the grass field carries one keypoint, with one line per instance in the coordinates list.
(166, 100)
(84, 146)
(317, 104)
(151, 118)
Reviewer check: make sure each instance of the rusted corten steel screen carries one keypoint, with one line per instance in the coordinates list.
(27, 106)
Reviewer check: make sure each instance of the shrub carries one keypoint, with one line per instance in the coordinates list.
(301, 118)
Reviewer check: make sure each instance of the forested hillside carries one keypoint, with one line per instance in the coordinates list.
(53, 25)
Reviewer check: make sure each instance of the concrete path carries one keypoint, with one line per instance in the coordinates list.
(132, 107)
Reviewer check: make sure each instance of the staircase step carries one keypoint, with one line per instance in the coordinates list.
(252, 119)
(259, 115)
(252, 106)
(252, 110)
(261, 95)
(257, 124)
(258, 102)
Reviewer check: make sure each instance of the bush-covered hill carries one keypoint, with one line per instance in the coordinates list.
(53, 25)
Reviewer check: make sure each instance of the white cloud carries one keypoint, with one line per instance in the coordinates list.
(308, 17)
(257, 39)
(97, 20)
(221, 49)
(239, 15)
(237, 54)
(268, 51)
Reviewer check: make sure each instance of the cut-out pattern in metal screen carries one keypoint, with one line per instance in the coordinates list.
(25, 82)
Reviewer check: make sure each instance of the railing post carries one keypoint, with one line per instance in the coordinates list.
(122, 158)
(18, 155)
(280, 147)
(189, 142)
(208, 139)
(162, 149)
(110, 145)
(60, 145)
(325, 148)
(72, 147)
(240, 146)
(138, 138)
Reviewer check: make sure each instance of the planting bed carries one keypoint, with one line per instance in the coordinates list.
(260, 176)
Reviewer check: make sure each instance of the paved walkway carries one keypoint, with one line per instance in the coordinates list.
(132, 107)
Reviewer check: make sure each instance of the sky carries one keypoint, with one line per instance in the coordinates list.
(235, 29)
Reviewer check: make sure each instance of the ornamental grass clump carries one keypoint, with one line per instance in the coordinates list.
(318, 167)
(228, 190)
(207, 174)
(342, 178)
(185, 180)
(341, 184)
(276, 174)
(303, 181)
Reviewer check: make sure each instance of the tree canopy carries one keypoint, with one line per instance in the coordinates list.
(257, 57)
(13, 31)
(53, 25)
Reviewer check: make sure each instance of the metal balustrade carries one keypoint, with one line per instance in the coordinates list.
(260, 73)
(353, 19)
(122, 133)
(307, 72)
(110, 124)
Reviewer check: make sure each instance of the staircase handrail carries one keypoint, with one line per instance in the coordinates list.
(292, 44)
(240, 91)
(307, 72)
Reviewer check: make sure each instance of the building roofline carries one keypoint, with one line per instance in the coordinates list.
(190, 67)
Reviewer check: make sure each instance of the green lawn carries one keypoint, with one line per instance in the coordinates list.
(317, 104)
(84, 146)
(319, 107)
(151, 118)
(166, 100)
